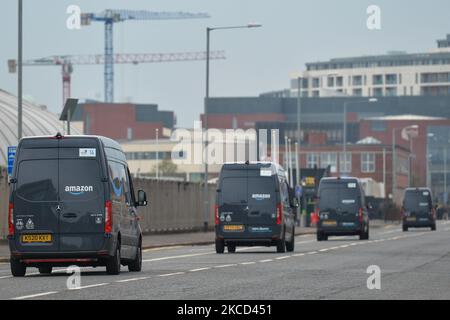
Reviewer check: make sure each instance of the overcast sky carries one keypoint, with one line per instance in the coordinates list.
(294, 32)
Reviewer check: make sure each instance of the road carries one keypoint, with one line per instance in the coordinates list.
(414, 265)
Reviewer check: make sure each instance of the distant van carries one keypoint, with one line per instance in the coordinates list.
(72, 202)
(341, 208)
(418, 210)
(254, 207)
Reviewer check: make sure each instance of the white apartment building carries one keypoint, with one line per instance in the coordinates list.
(392, 74)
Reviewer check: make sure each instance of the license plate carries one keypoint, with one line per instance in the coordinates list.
(329, 223)
(235, 228)
(30, 238)
(411, 219)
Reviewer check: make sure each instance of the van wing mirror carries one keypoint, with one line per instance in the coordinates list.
(142, 198)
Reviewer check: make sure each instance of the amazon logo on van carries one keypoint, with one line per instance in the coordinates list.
(78, 190)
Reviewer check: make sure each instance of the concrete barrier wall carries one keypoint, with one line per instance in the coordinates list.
(173, 206)
(4, 200)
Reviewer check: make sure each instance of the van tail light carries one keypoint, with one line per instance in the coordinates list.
(279, 212)
(11, 229)
(361, 215)
(216, 214)
(108, 216)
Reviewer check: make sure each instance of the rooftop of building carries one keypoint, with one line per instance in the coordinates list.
(37, 121)
(406, 117)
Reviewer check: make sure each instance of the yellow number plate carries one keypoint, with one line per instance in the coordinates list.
(329, 223)
(30, 238)
(411, 219)
(233, 228)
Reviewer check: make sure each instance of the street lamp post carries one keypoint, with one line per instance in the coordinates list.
(157, 153)
(205, 190)
(19, 74)
(299, 136)
(394, 164)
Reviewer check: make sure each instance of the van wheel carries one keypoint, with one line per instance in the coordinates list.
(290, 246)
(45, 270)
(136, 264)
(231, 248)
(433, 227)
(404, 228)
(113, 263)
(281, 244)
(18, 269)
(220, 246)
(321, 236)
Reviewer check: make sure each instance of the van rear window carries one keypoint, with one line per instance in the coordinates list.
(339, 195)
(234, 190)
(37, 180)
(417, 200)
(79, 179)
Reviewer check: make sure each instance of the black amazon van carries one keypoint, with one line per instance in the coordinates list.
(254, 207)
(418, 210)
(341, 208)
(72, 202)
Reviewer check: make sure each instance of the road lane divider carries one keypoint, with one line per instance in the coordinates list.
(171, 274)
(35, 295)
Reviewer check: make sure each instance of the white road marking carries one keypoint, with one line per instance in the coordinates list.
(225, 266)
(171, 274)
(249, 248)
(5, 277)
(324, 249)
(132, 279)
(200, 269)
(90, 286)
(247, 263)
(35, 295)
(282, 258)
(266, 260)
(298, 255)
(178, 257)
(312, 252)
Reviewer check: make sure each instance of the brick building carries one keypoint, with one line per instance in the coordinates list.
(123, 121)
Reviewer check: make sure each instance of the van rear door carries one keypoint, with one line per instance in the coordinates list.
(262, 201)
(418, 204)
(233, 206)
(35, 198)
(339, 202)
(82, 195)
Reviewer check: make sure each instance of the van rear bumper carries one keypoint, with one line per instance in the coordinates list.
(338, 231)
(427, 222)
(64, 258)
